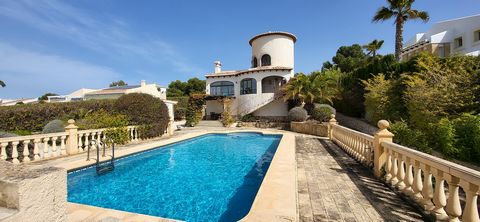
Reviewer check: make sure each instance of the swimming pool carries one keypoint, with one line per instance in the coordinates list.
(214, 177)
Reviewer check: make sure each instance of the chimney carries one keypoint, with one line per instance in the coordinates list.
(218, 66)
(143, 83)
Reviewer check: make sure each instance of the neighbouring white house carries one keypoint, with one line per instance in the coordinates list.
(456, 36)
(12, 102)
(117, 91)
(255, 90)
(74, 96)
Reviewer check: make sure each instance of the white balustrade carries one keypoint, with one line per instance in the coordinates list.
(356, 144)
(44, 146)
(461, 181)
(419, 175)
(22, 149)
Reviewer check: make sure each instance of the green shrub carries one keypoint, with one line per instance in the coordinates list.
(103, 119)
(146, 110)
(22, 132)
(119, 135)
(467, 130)
(297, 114)
(54, 126)
(322, 114)
(443, 138)
(227, 118)
(33, 117)
(116, 124)
(248, 118)
(179, 113)
(194, 109)
(409, 137)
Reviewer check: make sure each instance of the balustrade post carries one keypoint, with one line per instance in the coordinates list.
(454, 209)
(417, 182)
(26, 152)
(439, 198)
(15, 152)
(3, 151)
(72, 140)
(427, 191)
(471, 209)
(331, 122)
(379, 155)
(36, 150)
(409, 177)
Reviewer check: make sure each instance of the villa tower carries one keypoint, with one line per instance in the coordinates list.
(255, 90)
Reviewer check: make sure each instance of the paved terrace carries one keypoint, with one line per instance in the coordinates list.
(334, 187)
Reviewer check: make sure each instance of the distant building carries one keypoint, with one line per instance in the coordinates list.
(117, 91)
(74, 96)
(255, 90)
(456, 36)
(12, 102)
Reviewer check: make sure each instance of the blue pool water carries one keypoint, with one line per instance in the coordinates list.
(214, 177)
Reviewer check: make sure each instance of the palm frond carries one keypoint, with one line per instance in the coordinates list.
(415, 14)
(383, 14)
(2, 83)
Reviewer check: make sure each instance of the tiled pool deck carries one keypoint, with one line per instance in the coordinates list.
(315, 182)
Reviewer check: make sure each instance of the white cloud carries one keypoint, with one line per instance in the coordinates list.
(107, 35)
(30, 74)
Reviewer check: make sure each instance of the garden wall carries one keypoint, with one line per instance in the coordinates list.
(317, 129)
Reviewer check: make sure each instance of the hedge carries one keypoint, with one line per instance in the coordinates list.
(33, 117)
(145, 110)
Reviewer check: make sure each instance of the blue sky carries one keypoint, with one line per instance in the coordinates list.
(60, 46)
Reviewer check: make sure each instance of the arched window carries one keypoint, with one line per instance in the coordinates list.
(222, 88)
(254, 62)
(248, 86)
(266, 60)
(272, 84)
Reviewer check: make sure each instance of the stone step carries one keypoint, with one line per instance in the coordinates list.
(210, 123)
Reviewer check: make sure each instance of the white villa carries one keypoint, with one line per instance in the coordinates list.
(255, 90)
(113, 92)
(456, 36)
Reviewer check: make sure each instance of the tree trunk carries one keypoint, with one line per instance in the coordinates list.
(398, 38)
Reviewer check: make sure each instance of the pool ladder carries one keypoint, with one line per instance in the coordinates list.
(106, 166)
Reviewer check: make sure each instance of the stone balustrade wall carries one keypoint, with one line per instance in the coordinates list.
(444, 189)
(358, 145)
(317, 129)
(22, 149)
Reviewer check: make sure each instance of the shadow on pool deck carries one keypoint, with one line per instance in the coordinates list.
(241, 202)
(334, 187)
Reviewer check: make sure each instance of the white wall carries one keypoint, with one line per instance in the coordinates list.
(279, 47)
(275, 108)
(150, 89)
(213, 106)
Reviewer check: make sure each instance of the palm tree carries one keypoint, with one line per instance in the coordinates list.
(299, 88)
(2, 83)
(316, 87)
(401, 11)
(373, 47)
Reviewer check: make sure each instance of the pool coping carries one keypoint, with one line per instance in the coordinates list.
(276, 197)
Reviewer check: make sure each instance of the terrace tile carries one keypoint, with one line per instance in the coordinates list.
(334, 187)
